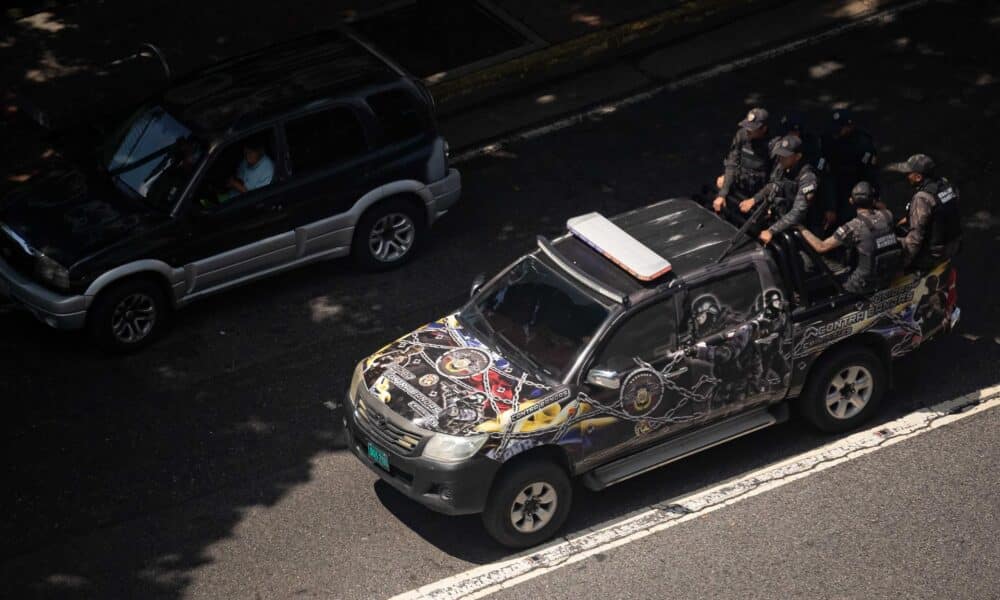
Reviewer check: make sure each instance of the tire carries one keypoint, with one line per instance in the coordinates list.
(545, 481)
(844, 390)
(128, 316)
(387, 235)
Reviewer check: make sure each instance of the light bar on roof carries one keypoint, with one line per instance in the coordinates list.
(619, 247)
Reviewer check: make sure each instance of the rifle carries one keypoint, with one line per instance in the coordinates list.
(762, 209)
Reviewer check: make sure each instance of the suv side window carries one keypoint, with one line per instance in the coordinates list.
(323, 139)
(231, 174)
(650, 335)
(721, 304)
(399, 114)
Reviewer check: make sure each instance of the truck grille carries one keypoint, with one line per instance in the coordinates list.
(382, 431)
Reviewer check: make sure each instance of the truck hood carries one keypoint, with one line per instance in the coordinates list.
(69, 214)
(443, 378)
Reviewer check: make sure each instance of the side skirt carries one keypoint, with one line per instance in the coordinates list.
(684, 445)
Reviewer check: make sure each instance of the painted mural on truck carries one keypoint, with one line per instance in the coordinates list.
(444, 378)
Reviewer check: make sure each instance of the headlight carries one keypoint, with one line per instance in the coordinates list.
(357, 380)
(51, 272)
(451, 448)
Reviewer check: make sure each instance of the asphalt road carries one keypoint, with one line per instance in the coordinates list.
(210, 466)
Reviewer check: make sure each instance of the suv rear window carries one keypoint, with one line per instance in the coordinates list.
(399, 114)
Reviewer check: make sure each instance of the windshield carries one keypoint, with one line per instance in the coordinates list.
(154, 155)
(539, 315)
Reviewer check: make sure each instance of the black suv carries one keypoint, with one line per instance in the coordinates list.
(307, 150)
(571, 363)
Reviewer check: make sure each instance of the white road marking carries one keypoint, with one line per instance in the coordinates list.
(884, 16)
(487, 579)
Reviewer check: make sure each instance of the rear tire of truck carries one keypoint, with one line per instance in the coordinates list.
(128, 316)
(528, 504)
(844, 390)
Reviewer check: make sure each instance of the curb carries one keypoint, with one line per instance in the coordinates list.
(690, 18)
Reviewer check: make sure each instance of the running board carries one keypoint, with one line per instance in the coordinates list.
(683, 445)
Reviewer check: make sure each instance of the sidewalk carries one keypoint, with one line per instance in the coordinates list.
(58, 54)
(494, 66)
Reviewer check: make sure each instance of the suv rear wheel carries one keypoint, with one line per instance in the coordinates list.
(845, 390)
(528, 504)
(128, 316)
(387, 234)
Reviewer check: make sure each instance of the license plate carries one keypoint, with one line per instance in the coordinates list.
(379, 456)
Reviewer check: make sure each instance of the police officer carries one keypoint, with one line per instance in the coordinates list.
(870, 233)
(852, 157)
(822, 214)
(747, 164)
(794, 186)
(933, 221)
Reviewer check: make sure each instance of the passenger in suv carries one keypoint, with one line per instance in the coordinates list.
(620, 347)
(350, 163)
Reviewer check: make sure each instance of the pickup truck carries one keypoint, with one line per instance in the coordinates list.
(619, 347)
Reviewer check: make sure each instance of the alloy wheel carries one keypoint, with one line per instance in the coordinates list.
(133, 318)
(391, 237)
(533, 507)
(849, 392)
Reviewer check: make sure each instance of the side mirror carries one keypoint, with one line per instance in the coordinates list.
(604, 378)
(477, 283)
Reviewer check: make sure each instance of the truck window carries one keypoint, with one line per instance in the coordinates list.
(398, 113)
(649, 335)
(323, 139)
(721, 304)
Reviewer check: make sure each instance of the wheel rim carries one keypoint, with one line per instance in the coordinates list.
(534, 507)
(849, 392)
(133, 318)
(391, 237)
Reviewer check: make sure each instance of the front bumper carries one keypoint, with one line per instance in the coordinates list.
(444, 194)
(55, 310)
(450, 488)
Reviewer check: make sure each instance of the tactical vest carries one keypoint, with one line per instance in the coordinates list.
(944, 225)
(786, 186)
(751, 171)
(880, 255)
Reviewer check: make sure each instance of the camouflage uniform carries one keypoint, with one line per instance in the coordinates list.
(852, 158)
(794, 189)
(868, 226)
(747, 163)
(917, 242)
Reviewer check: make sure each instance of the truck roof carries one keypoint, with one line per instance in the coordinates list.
(680, 230)
(277, 78)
